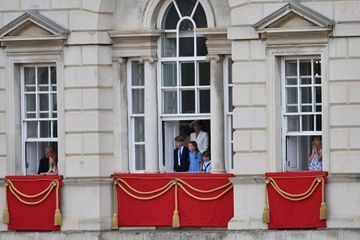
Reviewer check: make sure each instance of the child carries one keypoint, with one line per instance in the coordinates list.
(194, 157)
(206, 165)
(52, 165)
(181, 155)
(315, 156)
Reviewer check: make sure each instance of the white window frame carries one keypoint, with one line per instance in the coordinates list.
(228, 116)
(24, 138)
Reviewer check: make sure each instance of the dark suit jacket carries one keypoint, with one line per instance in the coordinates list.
(44, 165)
(184, 160)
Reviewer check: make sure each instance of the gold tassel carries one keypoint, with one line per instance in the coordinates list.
(114, 222)
(176, 220)
(323, 211)
(266, 214)
(6, 217)
(57, 217)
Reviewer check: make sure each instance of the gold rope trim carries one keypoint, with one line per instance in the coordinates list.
(26, 195)
(114, 219)
(6, 215)
(161, 191)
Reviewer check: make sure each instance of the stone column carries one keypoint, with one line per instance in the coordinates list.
(121, 149)
(151, 117)
(217, 114)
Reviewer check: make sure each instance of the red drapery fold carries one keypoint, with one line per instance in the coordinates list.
(158, 212)
(286, 214)
(38, 217)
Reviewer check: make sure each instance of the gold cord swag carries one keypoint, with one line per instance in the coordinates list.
(20, 195)
(121, 183)
(295, 197)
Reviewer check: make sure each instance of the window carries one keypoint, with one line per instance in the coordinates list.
(39, 113)
(228, 88)
(136, 113)
(185, 73)
(302, 109)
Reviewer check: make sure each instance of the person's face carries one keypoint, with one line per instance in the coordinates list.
(191, 147)
(205, 158)
(179, 143)
(197, 127)
(317, 142)
(47, 151)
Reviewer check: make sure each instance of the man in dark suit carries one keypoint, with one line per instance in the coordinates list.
(44, 162)
(181, 155)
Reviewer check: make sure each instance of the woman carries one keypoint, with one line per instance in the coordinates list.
(315, 156)
(199, 136)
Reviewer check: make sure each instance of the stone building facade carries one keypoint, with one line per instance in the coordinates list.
(110, 83)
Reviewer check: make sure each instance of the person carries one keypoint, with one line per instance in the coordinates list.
(199, 136)
(315, 156)
(44, 162)
(52, 165)
(206, 164)
(194, 157)
(181, 155)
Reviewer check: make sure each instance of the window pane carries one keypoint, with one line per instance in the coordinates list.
(139, 157)
(291, 81)
(169, 46)
(293, 123)
(204, 72)
(317, 67)
(305, 68)
(32, 156)
(188, 101)
(306, 108)
(292, 108)
(43, 75)
(139, 129)
(45, 129)
(201, 48)
(186, 26)
(44, 102)
(137, 74)
(29, 73)
(172, 17)
(204, 101)
(186, 7)
(186, 46)
(55, 129)
(318, 123)
(138, 100)
(230, 107)
(291, 68)
(305, 80)
(297, 152)
(200, 17)
(318, 108)
(32, 129)
(306, 95)
(308, 123)
(53, 75)
(187, 74)
(230, 71)
(54, 102)
(318, 94)
(30, 102)
(292, 97)
(169, 74)
(169, 102)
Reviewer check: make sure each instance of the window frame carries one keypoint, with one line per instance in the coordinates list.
(228, 115)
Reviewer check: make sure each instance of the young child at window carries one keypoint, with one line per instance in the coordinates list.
(194, 157)
(52, 165)
(206, 165)
(315, 156)
(181, 155)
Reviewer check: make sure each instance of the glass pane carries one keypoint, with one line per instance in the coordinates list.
(30, 115)
(318, 80)
(204, 72)
(54, 102)
(293, 123)
(306, 95)
(186, 25)
(139, 157)
(231, 107)
(297, 152)
(53, 75)
(44, 102)
(45, 129)
(305, 68)
(204, 101)
(139, 129)
(32, 129)
(318, 108)
(187, 74)
(169, 74)
(305, 80)
(292, 109)
(230, 70)
(200, 17)
(138, 100)
(292, 97)
(291, 81)
(30, 89)
(318, 123)
(306, 108)
(54, 129)
(32, 156)
(308, 123)
(188, 101)
(169, 46)
(317, 67)
(201, 48)
(186, 46)
(318, 94)
(172, 17)
(44, 115)
(43, 75)
(291, 68)
(137, 74)
(169, 102)
(186, 7)
(30, 102)
(29, 73)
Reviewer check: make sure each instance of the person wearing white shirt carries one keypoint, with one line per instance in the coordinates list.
(199, 136)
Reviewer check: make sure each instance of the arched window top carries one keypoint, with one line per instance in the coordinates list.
(180, 9)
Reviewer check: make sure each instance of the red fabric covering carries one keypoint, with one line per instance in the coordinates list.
(158, 212)
(32, 217)
(290, 214)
